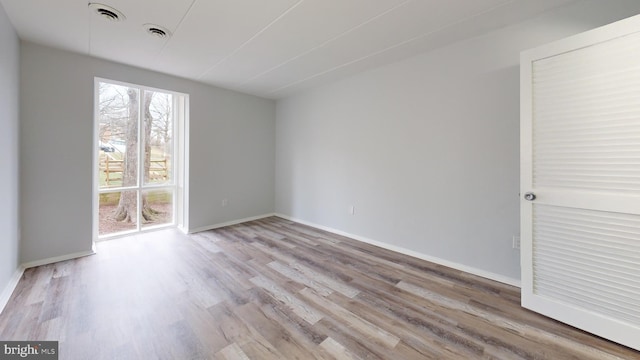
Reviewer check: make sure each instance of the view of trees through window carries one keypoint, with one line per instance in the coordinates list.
(135, 158)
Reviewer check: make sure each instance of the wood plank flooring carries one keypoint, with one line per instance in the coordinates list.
(274, 289)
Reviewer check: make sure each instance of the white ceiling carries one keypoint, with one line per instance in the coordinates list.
(269, 48)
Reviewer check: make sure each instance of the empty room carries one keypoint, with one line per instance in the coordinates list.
(320, 179)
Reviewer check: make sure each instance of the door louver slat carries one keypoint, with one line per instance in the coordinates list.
(572, 248)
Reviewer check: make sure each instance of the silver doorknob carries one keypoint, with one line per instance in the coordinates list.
(530, 196)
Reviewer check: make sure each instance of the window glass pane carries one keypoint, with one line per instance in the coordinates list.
(117, 212)
(158, 135)
(136, 146)
(157, 207)
(118, 108)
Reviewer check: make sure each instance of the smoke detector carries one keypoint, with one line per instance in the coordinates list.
(107, 12)
(157, 31)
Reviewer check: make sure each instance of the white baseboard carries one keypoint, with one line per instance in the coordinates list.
(454, 265)
(229, 223)
(10, 288)
(58, 259)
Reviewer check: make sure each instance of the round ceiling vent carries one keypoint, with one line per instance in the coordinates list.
(157, 31)
(107, 12)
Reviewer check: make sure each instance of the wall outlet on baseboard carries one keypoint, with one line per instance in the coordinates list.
(225, 202)
(516, 241)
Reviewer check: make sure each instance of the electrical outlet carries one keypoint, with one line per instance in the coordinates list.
(225, 202)
(516, 241)
(352, 210)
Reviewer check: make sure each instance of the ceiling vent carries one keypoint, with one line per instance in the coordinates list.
(157, 31)
(107, 12)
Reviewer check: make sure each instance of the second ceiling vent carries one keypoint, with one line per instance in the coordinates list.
(157, 31)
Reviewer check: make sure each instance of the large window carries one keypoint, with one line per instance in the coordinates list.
(139, 162)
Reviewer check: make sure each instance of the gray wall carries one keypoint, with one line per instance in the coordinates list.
(426, 149)
(9, 209)
(231, 149)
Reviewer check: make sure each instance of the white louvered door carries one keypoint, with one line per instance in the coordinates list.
(580, 158)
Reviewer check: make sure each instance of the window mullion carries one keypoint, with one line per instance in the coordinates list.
(117, 189)
(140, 160)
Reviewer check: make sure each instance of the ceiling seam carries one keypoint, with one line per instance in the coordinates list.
(327, 41)
(250, 39)
(186, 14)
(402, 43)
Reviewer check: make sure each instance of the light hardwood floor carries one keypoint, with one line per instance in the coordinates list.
(274, 289)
